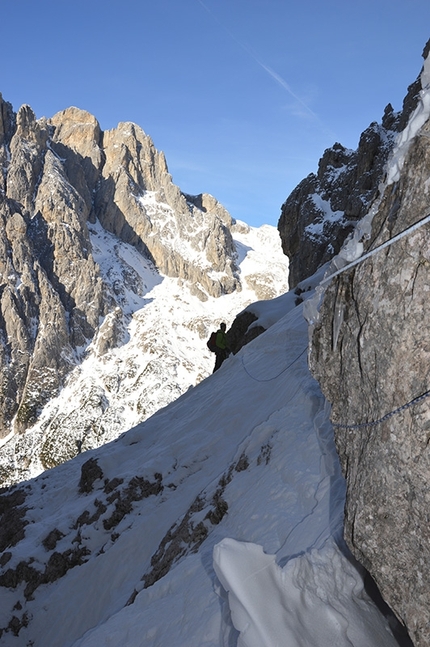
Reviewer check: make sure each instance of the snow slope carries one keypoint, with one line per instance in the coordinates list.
(237, 540)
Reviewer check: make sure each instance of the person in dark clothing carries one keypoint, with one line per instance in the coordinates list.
(222, 348)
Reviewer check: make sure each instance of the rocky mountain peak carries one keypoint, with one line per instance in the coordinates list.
(69, 192)
(323, 209)
(7, 121)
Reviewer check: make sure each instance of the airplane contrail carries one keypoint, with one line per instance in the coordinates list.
(286, 86)
(276, 77)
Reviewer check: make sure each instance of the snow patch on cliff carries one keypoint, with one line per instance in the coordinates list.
(315, 230)
(416, 121)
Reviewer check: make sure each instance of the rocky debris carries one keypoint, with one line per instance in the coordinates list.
(90, 472)
(67, 547)
(51, 540)
(370, 354)
(265, 454)
(56, 567)
(182, 538)
(188, 534)
(137, 489)
(117, 502)
(87, 519)
(322, 210)
(16, 624)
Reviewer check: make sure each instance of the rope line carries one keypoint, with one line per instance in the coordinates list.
(256, 379)
(361, 425)
(387, 243)
(377, 249)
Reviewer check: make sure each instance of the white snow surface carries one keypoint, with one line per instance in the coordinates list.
(315, 231)
(273, 571)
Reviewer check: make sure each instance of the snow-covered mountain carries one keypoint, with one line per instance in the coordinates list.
(217, 521)
(159, 354)
(111, 280)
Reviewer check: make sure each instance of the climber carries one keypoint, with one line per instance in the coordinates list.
(222, 350)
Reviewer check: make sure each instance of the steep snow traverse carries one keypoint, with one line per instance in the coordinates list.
(217, 521)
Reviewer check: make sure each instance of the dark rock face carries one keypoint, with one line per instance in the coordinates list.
(51, 295)
(322, 210)
(12, 520)
(240, 332)
(370, 353)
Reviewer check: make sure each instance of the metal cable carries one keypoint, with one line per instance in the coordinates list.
(387, 243)
(419, 398)
(256, 379)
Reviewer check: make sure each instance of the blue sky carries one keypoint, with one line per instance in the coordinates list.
(243, 96)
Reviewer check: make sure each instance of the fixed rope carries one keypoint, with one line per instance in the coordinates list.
(402, 234)
(387, 243)
(361, 425)
(270, 379)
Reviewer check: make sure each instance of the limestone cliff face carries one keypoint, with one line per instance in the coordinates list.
(58, 176)
(323, 209)
(125, 180)
(371, 354)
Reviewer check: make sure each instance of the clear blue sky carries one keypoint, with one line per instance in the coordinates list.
(243, 96)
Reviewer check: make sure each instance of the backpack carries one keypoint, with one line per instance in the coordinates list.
(211, 342)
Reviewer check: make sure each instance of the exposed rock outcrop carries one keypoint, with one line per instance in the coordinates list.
(322, 210)
(370, 353)
(242, 331)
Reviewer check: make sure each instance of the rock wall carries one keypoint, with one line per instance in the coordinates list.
(323, 209)
(59, 175)
(371, 354)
